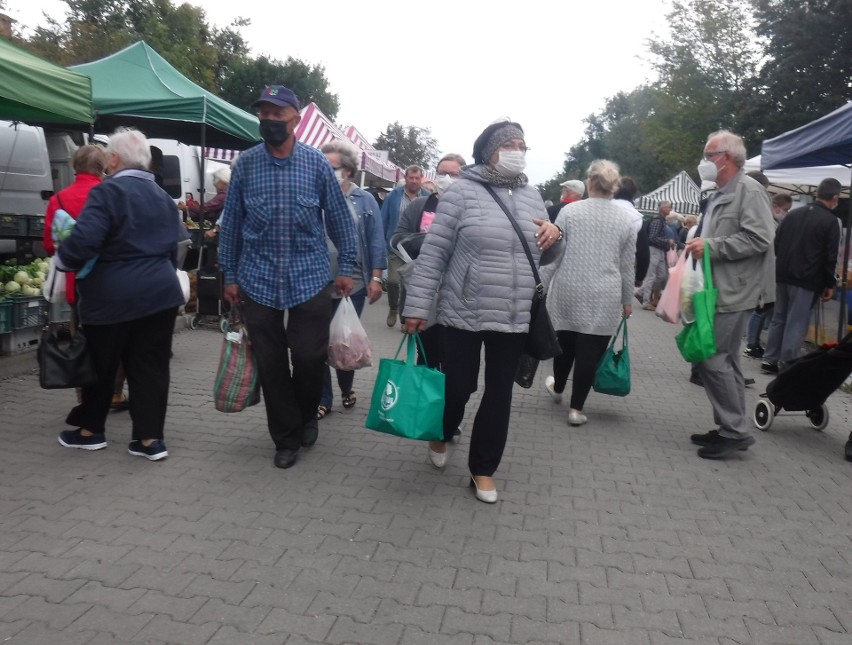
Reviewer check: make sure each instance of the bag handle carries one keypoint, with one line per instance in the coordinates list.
(539, 287)
(708, 275)
(622, 327)
(413, 341)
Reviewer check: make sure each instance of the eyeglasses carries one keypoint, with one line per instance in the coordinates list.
(514, 146)
(710, 155)
(448, 174)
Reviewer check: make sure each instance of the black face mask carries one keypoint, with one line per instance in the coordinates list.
(274, 132)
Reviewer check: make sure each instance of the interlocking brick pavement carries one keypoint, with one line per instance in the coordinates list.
(613, 532)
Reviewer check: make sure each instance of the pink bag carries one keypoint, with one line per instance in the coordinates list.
(669, 306)
(671, 257)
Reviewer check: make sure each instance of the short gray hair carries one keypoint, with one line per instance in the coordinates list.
(349, 154)
(603, 175)
(222, 175)
(732, 144)
(131, 146)
(452, 156)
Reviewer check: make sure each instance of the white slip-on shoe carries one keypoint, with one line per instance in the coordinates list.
(438, 459)
(576, 418)
(548, 385)
(487, 496)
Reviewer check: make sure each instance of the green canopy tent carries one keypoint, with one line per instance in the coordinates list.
(38, 92)
(137, 87)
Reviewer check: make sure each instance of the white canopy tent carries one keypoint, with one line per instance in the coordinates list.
(680, 190)
(801, 181)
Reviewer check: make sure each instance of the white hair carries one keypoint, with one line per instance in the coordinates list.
(132, 148)
(222, 175)
(732, 144)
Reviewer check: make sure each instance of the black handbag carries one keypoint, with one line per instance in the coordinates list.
(64, 364)
(542, 342)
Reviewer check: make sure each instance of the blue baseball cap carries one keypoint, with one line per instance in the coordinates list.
(278, 95)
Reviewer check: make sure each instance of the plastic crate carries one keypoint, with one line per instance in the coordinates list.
(20, 340)
(29, 311)
(5, 316)
(13, 225)
(35, 226)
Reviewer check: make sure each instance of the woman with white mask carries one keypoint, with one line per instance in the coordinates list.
(476, 262)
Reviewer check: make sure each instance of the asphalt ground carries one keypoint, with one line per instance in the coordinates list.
(614, 532)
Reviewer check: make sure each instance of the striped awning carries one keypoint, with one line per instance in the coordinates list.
(680, 190)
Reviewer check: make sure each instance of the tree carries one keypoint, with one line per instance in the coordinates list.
(243, 83)
(408, 145)
(808, 69)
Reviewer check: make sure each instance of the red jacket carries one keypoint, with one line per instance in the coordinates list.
(72, 200)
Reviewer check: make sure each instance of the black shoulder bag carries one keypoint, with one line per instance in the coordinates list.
(541, 339)
(64, 365)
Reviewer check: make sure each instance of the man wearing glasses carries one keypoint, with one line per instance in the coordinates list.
(738, 229)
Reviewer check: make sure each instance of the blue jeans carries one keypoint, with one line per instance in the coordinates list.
(757, 322)
(344, 377)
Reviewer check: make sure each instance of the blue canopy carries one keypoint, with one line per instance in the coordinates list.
(824, 142)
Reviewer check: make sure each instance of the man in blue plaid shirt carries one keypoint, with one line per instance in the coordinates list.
(282, 199)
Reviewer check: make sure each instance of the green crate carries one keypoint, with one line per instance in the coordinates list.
(5, 316)
(12, 225)
(29, 311)
(35, 225)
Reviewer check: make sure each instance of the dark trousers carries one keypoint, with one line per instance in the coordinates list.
(144, 347)
(460, 358)
(291, 398)
(432, 347)
(583, 352)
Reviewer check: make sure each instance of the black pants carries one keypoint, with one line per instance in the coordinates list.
(291, 398)
(583, 352)
(461, 356)
(432, 346)
(144, 347)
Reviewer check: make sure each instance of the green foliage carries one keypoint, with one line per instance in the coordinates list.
(408, 145)
(245, 80)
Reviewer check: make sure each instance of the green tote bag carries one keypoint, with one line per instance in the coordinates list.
(612, 375)
(408, 399)
(697, 340)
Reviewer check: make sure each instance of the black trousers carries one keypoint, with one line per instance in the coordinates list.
(583, 352)
(460, 362)
(291, 398)
(144, 347)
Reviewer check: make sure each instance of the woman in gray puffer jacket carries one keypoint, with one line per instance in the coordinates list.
(474, 259)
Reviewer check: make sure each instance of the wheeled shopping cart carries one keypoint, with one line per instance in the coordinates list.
(806, 384)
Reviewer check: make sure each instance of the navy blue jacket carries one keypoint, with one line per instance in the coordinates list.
(132, 227)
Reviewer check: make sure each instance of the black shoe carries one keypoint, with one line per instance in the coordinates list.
(285, 458)
(748, 381)
(710, 438)
(724, 447)
(753, 352)
(769, 368)
(849, 448)
(696, 380)
(310, 433)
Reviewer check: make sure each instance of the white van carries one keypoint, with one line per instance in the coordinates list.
(26, 181)
(181, 172)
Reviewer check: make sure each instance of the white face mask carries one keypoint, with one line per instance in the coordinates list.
(443, 182)
(510, 163)
(339, 174)
(707, 170)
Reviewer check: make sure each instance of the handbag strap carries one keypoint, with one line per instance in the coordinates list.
(413, 341)
(708, 274)
(622, 328)
(538, 286)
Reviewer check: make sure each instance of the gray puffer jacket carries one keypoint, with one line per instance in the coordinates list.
(474, 258)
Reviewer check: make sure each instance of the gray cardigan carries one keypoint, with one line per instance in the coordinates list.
(475, 260)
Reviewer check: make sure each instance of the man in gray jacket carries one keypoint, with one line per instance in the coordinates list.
(738, 230)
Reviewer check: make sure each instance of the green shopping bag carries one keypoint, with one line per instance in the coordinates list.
(612, 375)
(408, 399)
(697, 340)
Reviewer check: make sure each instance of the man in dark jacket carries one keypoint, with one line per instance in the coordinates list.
(658, 270)
(805, 259)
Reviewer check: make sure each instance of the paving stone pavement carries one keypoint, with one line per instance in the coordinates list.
(610, 533)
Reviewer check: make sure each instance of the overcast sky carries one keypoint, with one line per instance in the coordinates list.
(453, 67)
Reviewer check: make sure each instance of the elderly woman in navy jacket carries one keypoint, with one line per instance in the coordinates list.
(475, 260)
(128, 302)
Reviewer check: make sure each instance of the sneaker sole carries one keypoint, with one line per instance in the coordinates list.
(729, 452)
(157, 457)
(92, 446)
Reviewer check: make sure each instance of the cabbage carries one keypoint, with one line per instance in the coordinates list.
(12, 287)
(22, 278)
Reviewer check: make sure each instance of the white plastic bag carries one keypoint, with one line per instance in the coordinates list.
(693, 282)
(348, 346)
(54, 284)
(183, 278)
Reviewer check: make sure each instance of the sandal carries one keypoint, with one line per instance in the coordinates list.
(322, 411)
(349, 399)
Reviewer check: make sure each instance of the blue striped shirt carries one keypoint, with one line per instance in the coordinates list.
(272, 239)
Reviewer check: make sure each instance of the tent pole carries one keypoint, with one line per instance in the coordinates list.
(843, 271)
(201, 218)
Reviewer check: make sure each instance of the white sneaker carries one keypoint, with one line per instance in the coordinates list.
(548, 385)
(576, 418)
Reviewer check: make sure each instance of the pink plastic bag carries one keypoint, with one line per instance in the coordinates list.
(669, 306)
(671, 257)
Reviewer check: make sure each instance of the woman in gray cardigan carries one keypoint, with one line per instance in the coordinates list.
(474, 259)
(590, 285)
